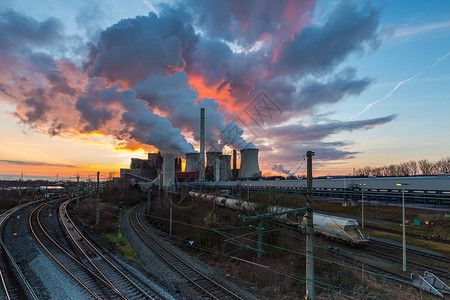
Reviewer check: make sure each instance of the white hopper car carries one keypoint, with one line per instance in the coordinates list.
(340, 228)
(344, 229)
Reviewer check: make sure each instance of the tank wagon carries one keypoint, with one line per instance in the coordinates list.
(343, 229)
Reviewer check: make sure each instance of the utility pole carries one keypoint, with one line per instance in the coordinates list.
(78, 191)
(362, 204)
(20, 194)
(121, 203)
(403, 223)
(97, 217)
(149, 198)
(170, 224)
(309, 230)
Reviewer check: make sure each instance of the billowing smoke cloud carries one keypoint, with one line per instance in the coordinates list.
(146, 54)
(146, 78)
(281, 169)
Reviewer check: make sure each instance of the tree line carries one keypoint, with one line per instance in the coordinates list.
(422, 167)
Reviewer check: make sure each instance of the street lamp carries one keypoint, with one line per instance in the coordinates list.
(403, 223)
(362, 204)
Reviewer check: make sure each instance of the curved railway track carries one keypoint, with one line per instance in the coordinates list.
(202, 283)
(127, 285)
(96, 275)
(10, 273)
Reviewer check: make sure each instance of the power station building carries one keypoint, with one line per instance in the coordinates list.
(218, 167)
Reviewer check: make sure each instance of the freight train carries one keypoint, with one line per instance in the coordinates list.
(339, 228)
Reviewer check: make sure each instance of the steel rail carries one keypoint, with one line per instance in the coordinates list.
(38, 210)
(137, 222)
(63, 208)
(412, 251)
(3, 218)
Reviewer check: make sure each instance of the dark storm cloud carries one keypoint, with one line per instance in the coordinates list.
(340, 86)
(35, 163)
(320, 48)
(22, 37)
(246, 22)
(290, 153)
(320, 131)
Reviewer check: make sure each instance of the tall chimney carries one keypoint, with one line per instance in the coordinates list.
(202, 145)
(234, 160)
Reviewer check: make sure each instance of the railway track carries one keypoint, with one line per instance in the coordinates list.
(415, 265)
(126, 284)
(350, 259)
(202, 283)
(409, 234)
(409, 251)
(11, 275)
(91, 273)
(91, 286)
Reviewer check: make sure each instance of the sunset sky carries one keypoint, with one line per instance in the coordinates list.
(87, 85)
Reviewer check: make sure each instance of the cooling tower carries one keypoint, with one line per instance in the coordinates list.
(249, 164)
(192, 162)
(211, 158)
(217, 169)
(225, 168)
(168, 169)
(177, 164)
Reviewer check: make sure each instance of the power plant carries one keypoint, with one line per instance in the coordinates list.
(168, 168)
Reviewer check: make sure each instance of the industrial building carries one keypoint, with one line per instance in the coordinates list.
(168, 168)
(218, 167)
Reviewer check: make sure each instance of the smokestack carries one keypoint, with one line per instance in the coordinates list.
(202, 145)
(249, 164)
(234, 160)
(168, 170)
(192, 162)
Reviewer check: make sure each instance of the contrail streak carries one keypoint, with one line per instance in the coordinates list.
(369, 106)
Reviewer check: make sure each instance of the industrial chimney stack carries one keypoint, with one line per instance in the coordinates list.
(202, 145)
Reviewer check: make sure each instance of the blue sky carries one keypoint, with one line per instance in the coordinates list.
(412, 123)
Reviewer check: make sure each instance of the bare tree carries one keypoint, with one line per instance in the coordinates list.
(412, 164)
(443, 165)
(392, 170)
(403, 169)
(377, 171)
(426, 167)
